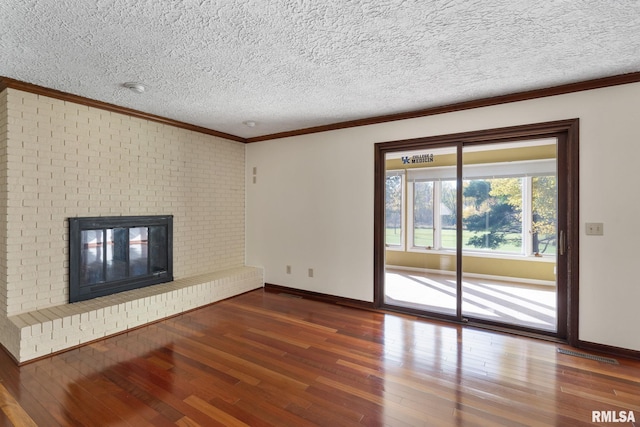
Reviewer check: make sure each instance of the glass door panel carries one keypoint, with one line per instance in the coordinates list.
(420, 230)
(509, 229)
(481, 228)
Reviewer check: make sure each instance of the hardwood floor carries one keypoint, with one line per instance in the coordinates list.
(266, 359)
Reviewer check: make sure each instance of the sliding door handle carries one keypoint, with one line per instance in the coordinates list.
(561, 242)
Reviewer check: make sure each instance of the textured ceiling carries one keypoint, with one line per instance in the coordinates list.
(292, 64)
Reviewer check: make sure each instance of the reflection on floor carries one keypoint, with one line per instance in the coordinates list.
(513, 303)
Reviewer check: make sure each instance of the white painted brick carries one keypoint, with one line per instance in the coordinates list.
(91, 162)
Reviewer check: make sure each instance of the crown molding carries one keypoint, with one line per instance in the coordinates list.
(6, 82)
(599, 83)
(620, 79)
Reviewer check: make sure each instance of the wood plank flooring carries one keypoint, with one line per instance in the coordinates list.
(266, 359)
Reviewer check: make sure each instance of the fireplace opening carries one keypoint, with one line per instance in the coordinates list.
(114, 254)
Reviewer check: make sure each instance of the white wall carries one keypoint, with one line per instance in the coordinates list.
(312, 204)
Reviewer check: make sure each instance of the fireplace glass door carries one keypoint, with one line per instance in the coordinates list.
(118, 253)
(112, 254)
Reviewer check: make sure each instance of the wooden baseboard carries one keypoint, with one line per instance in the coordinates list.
(609, 350)
(316, 296)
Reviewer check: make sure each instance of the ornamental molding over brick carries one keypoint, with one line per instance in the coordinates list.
(579, 86)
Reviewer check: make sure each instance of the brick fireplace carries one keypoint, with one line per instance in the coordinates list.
(60, 160)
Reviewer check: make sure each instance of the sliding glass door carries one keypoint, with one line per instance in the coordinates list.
(420, 228)
(475, 229)
(510, 237)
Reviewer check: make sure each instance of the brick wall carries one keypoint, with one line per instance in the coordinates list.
(3, 207)
(61, 159)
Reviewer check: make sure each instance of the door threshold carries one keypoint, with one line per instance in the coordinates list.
(519, 332)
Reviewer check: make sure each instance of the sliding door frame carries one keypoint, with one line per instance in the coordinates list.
(567, 134)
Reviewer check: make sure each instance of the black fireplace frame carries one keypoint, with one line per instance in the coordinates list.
(79, 291)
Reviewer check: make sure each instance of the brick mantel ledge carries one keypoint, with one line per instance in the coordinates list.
(54, 329)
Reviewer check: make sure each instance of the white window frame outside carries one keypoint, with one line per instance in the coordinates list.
(403, 208)
(524, 169)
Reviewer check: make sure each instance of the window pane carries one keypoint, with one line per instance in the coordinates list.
(393, 210)
(138, 253)
(544, 214)
(448, 214)
(117, 253)
(91, 258)
(158, 259)
(492, 215)
(423, 214)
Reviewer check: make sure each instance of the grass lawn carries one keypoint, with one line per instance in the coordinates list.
(424, 238)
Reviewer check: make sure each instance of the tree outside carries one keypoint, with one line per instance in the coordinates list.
(493, 213)
(545, 214)
(393, 210)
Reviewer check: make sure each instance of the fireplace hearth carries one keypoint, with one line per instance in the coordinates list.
(118, 253)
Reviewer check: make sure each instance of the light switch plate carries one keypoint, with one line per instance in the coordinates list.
(594, 228)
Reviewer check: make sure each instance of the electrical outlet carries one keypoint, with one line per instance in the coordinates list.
(288, 269)
(311, 272)
(594, 228)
